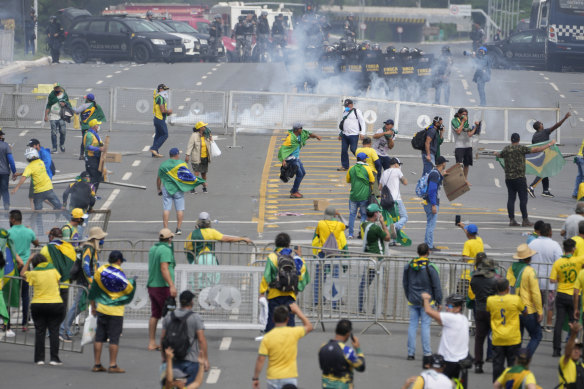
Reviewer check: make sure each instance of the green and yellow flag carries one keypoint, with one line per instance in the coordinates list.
(63, 257)
(176, 176)
(546, 163)
(111, 286)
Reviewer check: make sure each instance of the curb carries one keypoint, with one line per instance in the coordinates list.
(20, 66)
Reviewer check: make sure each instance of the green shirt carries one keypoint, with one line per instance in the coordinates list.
(514, 156)
(170, 185)
(20, 238)
(361, 178)
(375, 238)
(160, 252)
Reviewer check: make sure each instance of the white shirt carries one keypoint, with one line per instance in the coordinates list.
(571, 225)
(454, 340)
(548, 250)
(380, 144)
(462, 141)
(352, 122)
(435, 380)
(391, 178)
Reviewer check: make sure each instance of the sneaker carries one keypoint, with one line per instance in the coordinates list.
(513, 223)
(62, 149)
(548, 329)
(557, 353)
(115, 369)
(54, 150)
(479, 368)
(547, 193)
(178, 232)
(489, 359)
(81, 157)
(435, 250)
(40, 363)
(98, 369)
(350, 237)
(530, 191)
(193, 191)
(205, 189)
(65, 338)
(526, 223)
(56, 363)
(574, 197)
(10, 334)
(296, 195)
(342, 169)
(411, 358)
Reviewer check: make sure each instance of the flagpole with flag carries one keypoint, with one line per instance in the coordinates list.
(547, 163)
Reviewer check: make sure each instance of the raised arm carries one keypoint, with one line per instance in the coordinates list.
(558, 124)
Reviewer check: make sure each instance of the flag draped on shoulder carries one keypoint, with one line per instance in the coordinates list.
(10, 287)
(291, 143)
(111, 286)
(63, 256)
(546, 163)
(177, 177)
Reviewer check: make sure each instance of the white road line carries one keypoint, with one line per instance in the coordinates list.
(541, 74)
(110, 199)
(469, 93)
(126, 68)
(136, 163)
(188, 99)
(209, 73)
(181, 107)
(126, 176)
(225, 343)
(109, 76)
(88, 89)
(214, 69)
(23, 133)
(204, 77)
(562, 96)
(581, 119)
(213, 375)
(497, 183)
(546, 78)
(199, 83)
(99, 82)
(472, 100)
(464, 83)
(146, 148)
(575, 112)
(554, 86)
(117, 71)
(491, 166)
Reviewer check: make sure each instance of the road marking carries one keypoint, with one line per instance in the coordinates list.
(126, 68)
(575, 112)
(225, 343)
(88, 89)
(136, 163)
(497, 183)
(126, 176)
(188, 99)
(541, 74)
(214, 69)
(117, 71)
(546, 78)
(109, 76)
(198, 83)
(23, 133)
(464, 83)
(146, 148)
(554, 86)
(99, 82)
(110, 199)
(213, 375)
(469, 93)
(562, 96)
(181, 107)
(204, 77)
(472, 100)
(581, 119)
(209, 73)
(263, 185)
(491, 165)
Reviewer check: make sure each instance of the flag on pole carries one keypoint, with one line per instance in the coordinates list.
(546, 163)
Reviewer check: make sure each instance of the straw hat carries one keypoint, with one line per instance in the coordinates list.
(96, 233)
(523, 251)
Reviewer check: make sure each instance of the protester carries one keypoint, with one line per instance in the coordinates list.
(70, 230)
(161, 111)
(570, 227)
(505, 309)
(81, 193)
(535, 234)
(280, 346)
(110, 291)
(173, 378)
(361, 178)
(472, 246)
(160, 283)
(88, 111)
(432, 200)
(463, 134)
(56, 100)
(519, 375)
(579, 161)
(279, 293)
(432, 377)
(420, 276)
(337, 359)
(579, 239)
(391, 178)
(432, 140)
(568, 371)
(189, 364)
(383, 142)
(45, 156)
(42, 185)
(523, 278)
(199, 152)
(46, 306)
(93, 149)
(372, 160)
(6, 166)
(352, 130)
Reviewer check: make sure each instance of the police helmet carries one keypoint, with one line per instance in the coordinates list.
(280, 15)
(404, 50)
(376, 47)
(446, 49)
(413, 50)
(390, 50)
(53, 18)
(456, 300)
(350, 15)
(149, 13)
(241, 18)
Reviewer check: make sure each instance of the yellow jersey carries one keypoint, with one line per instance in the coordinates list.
(371, 156)
(565, 271)
(45, 284)
(470, 249)
(528, 289)
(204, 153)
(37, 172)
(505, 311)
(280, 345)
(568, 369)
(158, 101)
(579, 252)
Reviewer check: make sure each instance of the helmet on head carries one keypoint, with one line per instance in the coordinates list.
(241, 18)
(446, 49)
(149, 13)
(390, 50)
(455, 299)
(52, 18)
(217, 16)
(404, 50)
(483, 48)
(375, 47)
(31, 153)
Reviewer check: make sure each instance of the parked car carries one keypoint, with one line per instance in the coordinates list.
(191, 43)
(525, 49)
(67, 16)
(208, 53)
(110, 38)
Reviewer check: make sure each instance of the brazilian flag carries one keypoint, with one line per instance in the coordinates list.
(195, 248)
(391, 217)
(177, 177)
(546, 163)
(10, 287)
(63, 256)
(111, 287)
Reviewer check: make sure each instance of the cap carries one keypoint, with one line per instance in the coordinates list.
(163, 87)
(56, 85)
(90, 97)
(361, 156)
(394, 160)
(199, 125)
(579, 344)
(438, 361)
(472, 229)
(388, 121)
(116, 255)
(373, 208)
(33, 142)
(96, 233)
(483, 48)
(515, 137)
(174, 151)
(186, 297)
(579, 205)
(481, 256)
(1, 132)
(165, 233)
(440, 160)
(204, 216)
(94, 122)
(83, 174)
(78, 213)
(347, 102)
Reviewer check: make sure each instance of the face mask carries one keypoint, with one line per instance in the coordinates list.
(101, 243)
(164, 94)
(347, 109)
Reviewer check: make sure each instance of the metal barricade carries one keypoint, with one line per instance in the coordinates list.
(192, 106)
(133, 105)
(6, 47)
(257, 109)
(312, 111)
(21, 316)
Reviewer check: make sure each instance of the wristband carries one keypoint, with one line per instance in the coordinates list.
(255, 379)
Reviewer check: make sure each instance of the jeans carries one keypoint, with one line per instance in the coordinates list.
(403, 215)
(545, 182)
(416, 314)
(580, 177)
(516, 186)
(427, 165)
(347, 141)
(71, 315)
(58, 126)
(316, 282)
(82, 148)
(48, 195)
(483, 327)
(272, 304)
(189, 368)
(370, 274)
(160, 134)
(4, 193)
(92, 167)
(502, 353)
(482, 95)
(46, 316)
(353, 205)
(300, 173)
(431, 219)
(279, 384)
(29, 42)
(564, 308)
(530, 323)
(442, 86)
(25, 298)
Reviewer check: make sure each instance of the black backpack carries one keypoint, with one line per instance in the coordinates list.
(579, 383)
(419, 140)
(387, 202)
(177, 336)
(287, 277)
(76, 272)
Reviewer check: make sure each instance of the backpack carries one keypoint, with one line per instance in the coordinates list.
(66, 113)
(287, 277)
(330, 245)
(342, 123)
(76, 272)
(419, 140)
(177, 336)
(578, 384)
(422, 185)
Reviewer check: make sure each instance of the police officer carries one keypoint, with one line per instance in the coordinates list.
(55, 35)
(263, 32)
(239, 35)
(149, 15)
(350, 28)
(215, 33)
(441, 76)
(279, 31)
(482, 73)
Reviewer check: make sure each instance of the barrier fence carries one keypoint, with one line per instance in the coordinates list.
(6, 47)
(21, 108)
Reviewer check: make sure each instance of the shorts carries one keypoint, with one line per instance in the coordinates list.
(202, 167)
(178, 199)
(463, 156)
(158, 296)
(190, 369)
(109, 327)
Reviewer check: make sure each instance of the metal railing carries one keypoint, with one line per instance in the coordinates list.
(6, 47)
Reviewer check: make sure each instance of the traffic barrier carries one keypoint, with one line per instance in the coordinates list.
(257, 109)
(6, 47)
(191, 106)
(12, 291)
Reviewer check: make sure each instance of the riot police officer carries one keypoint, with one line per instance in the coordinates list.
(263, 33)
(238, 34)
(215, 34)
(350, 28)
(441, 76)
(279, 31)
(55, 35)
(482, 73)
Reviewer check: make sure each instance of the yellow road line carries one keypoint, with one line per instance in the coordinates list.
(264, 182)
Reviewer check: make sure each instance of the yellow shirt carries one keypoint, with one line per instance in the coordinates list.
(158, 101)
(580, 150)
(203, 147)
(579, 252)
(506, 376)
(505, 311)
(579, 284)
(565, 271)
(471, 248)
(371, 156)
(528, 289)
(280, 345)
(45, 285)
(569, 370)
(326, 227)
(37, 172)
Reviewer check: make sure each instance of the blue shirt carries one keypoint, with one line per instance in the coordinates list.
(45, 156)
(434, 183)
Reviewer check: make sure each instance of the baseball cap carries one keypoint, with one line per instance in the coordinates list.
(56, 85)
(33, 142)
(90, 97)
(174, 151)
(162, 86)
(94, 122)
(204, 216)
(472, 229)
(388, 121)
(373, 208)
(186, 297)
(1, 132)
(440, 160)
(361, 156)
(515, 137)
(347, 102)
(78, 213)
(165, 233)
(200, 124)
(395, 160)
(115, 256)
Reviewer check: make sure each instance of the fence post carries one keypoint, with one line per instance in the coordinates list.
(557, 120)
(506, 125)
(111, 108)
(234, 145)
(397, 105)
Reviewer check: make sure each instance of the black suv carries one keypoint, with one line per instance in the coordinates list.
(111, 38)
